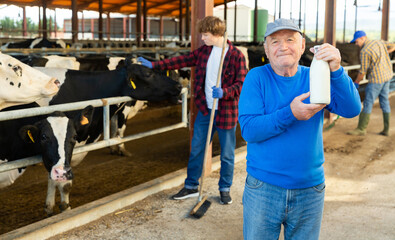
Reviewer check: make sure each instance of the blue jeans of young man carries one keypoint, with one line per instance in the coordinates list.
(227, 140)
(266, 207)
(374, 90)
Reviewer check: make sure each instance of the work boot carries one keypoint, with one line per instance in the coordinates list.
(386, 118)
(362, 124)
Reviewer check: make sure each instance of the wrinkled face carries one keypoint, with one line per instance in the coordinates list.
(57, 139)
(20, 83)
(147, 84)
(284, 49)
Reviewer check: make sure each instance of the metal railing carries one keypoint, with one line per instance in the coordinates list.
(355, 67)
(106, 142)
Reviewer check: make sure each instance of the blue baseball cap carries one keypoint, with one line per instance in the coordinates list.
(281, 24)
(357, 35)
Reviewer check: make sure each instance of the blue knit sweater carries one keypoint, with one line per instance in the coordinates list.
(282, 150)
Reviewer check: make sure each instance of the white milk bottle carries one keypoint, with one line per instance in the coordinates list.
(320, 87)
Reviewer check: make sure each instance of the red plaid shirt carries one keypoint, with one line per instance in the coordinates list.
(232, 77)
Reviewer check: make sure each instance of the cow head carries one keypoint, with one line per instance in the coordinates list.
(146, 84)
(20, 83)
(56, 136)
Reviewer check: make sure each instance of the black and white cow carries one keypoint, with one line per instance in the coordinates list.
(21, 84)
(35, 43)
(129, 109)
(54, 61)
(134, 80)
(54, 137)
(100, 63)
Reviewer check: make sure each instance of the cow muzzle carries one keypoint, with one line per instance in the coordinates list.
(61, 174)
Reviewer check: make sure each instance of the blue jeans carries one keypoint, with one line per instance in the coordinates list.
(227, 140)
(374, 90)
(266, 207)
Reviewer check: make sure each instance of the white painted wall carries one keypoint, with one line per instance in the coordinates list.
(243, 25)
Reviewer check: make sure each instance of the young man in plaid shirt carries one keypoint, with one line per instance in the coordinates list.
(375, 62)
(206, 59)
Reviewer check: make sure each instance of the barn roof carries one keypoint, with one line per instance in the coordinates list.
(154, 7)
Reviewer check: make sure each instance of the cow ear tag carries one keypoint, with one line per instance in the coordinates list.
(131, 82)
(84, 120)
(263, 59)
(29, 133)
(167, 72)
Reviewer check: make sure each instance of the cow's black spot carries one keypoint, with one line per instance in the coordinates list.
(6, 79)
(18, 70)
(19, 85)
(11, 83)
(10, 65)
(1, 63)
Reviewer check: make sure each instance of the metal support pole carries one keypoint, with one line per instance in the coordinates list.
(106, 121)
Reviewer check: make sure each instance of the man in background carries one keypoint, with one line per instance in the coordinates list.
(376, 65)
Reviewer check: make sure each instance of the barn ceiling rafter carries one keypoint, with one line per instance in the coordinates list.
(154, 7)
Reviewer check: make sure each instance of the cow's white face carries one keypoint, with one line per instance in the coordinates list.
(20, 83)
(55, 136)
(64, 137)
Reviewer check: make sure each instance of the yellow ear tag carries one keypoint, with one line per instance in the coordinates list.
(263, 59)
(167, 72)
(84, 121)
(131, 82)
(30, 135)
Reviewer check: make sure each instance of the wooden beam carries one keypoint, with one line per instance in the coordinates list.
(108, 26)
(180, 19)
(187, 20)
(100, 20)
(330, 22)
(118, 6)
(169, 8)
(200, 9)
(24, 24)
(138, 24)
(225, 10)
(86, 4)
(168, 12)
(145, 20)
(45, 31)
(39, 22)
(385, 17)
(161, 28)
(74, 21)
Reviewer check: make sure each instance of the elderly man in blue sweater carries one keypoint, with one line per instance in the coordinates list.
(285, 182)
